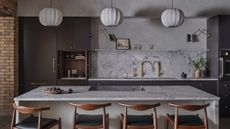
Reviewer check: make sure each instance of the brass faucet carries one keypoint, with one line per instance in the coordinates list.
(142, 67)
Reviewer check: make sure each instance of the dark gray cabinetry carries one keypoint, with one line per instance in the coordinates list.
(219, 28)
(224, 31)
(208, 86)
(39, 53)
(73, 34)
(224, 90)
(39, 46)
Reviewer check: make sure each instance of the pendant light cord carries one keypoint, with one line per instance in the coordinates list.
(111, 3)
(172, 4)
(50, 3)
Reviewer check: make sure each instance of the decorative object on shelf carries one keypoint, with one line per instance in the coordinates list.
(194, 36)
(172, 17)
(50, 16)
(111, 17)
(123, 44)
(74, 67)
(199, 67)
(183, 75)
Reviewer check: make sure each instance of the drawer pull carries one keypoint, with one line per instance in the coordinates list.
(226, 107)
(226, 85)
(226, 95)
(38, 83)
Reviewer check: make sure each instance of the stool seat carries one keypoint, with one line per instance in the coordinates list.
(139, 120)
(89, 120)
(188, 120)
(32, 123)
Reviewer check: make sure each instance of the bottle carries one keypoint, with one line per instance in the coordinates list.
(68, 73)
(157, 68)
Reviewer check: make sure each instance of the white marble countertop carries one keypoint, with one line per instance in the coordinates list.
(153, 79)
(81, 93)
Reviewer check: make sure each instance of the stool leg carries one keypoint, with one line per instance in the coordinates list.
(166, 123)
(59, 124)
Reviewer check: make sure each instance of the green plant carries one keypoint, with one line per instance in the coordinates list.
(195, 64)
(200, 63)
(203, 63)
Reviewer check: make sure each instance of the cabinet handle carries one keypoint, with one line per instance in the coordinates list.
(38, 83)
(221, 67)
(226, 95)
(226, 85)
(226, 107)
(54, 60)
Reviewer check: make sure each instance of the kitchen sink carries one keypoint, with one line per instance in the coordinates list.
(116, 88)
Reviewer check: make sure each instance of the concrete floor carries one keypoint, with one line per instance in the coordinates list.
(5, 123)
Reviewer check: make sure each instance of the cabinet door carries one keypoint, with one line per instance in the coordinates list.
(39, 50)
(65, 35)
(224, 30)
(208, 86)
(81, 33)
(224, 93)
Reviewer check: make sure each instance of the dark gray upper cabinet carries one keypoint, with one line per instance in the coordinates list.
(39, 51)
(81, 33)
(65, 35)
(73, 33)
(224, 31)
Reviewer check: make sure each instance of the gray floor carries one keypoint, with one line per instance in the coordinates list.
(5, 123)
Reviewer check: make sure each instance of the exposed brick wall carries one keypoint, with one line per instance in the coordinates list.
(7, 63)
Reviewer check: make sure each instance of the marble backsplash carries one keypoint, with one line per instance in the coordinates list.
(116, 64)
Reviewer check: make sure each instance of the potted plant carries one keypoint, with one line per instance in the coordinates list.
(196, 68)
(203, 66)
(199, 67)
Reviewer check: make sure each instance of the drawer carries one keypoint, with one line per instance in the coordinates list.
(224, 88)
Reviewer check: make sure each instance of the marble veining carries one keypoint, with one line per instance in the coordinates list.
(82, 93)
(120, 64)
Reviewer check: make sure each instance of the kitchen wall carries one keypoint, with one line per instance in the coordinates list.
(130, 8)
(169, 47)
(8, 55)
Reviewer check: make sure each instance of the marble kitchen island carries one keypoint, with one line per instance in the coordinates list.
(146, 94)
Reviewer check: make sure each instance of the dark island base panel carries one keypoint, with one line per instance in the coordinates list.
(208, 86)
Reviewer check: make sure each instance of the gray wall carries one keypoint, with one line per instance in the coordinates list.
(149, 8)
(170, 47)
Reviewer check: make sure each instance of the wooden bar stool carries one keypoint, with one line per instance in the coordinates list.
(139, 121)
(33, 122)
(85, 121)
(187, 121)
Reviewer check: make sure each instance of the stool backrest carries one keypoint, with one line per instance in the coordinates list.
(190, 108)
(90, 107)
(140, 107)
(27, 110)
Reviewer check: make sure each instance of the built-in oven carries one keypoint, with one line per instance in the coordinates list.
(225, 65)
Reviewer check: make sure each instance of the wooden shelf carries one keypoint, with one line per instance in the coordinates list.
(74, 59)
(150, 50)
(73, 78)
(72, 65)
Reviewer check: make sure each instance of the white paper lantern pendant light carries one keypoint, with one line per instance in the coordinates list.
(50, 16)
(111, 17)
(172, 17)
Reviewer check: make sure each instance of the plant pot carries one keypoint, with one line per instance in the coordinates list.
(202, 73)
(196, 73)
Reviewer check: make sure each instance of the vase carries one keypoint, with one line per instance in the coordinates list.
(196, 73)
